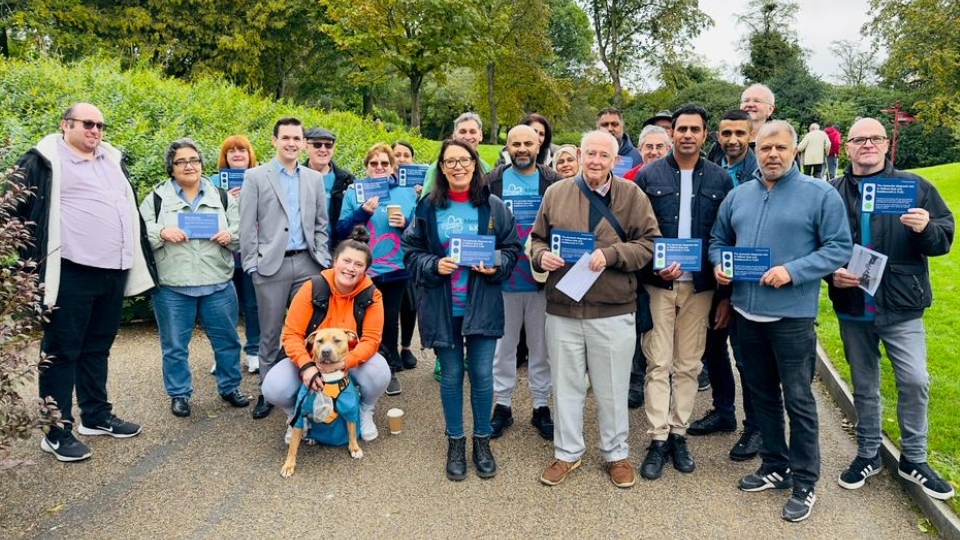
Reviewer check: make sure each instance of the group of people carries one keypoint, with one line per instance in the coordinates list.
(550, 218)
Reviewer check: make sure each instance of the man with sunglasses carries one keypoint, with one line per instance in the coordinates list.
(92, 248)
(894, 314)
(321, 145)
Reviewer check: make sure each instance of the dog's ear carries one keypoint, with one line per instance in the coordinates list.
(309, 341)
(352, 339)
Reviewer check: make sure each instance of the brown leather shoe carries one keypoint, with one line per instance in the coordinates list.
(621, 473)
(557, 471)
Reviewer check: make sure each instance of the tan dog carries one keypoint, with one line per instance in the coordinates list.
(327, 346)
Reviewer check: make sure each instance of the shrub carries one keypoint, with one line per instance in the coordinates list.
(20, 318)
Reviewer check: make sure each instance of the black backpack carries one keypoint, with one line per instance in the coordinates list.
(321, 303)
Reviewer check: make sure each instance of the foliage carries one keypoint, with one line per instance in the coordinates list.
(857, 66)
(640, 33)
(20, 317)
(797, 93)
(571, 38)
(922, 39)
(146, 111)
(943, 356)
(415, 38)
(770, 40)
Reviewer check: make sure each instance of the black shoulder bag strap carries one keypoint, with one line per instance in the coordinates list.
(600, 207)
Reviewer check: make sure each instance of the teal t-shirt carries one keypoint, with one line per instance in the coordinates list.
(521, 185)
(457, 218)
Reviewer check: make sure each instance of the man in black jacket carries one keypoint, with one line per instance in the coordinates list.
(685, 191)
(321, 145)
(521, 185)
(92, 246)
(894, 314)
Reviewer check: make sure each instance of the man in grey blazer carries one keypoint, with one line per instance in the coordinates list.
(283, 237)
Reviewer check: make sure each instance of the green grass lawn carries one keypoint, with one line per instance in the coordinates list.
(942, 322)
(488, 152)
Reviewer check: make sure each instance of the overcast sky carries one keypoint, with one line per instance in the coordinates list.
(818, 23)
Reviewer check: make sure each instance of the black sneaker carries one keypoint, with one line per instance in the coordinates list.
(113, 427)
(500, 420)
(703, 380)
(713, 422)
(393, 388)
(408, 359)
(922, 475)
(66, 448)
(543, 422)
(680, 454)
(747, 447)
(859, 470)
(766, 478)
(799, 505)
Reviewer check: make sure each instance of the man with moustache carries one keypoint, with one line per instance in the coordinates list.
(611, 121)
(592, 333)
(522, 182)
(685, 191)
(758, 102)
(283, 237)
(740, 162)
(802, 221)
(894, 315)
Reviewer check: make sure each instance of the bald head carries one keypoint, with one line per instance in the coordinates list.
(867, 146)
(523, 144)
(76, 133)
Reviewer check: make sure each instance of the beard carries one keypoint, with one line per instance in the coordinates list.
(522, 162)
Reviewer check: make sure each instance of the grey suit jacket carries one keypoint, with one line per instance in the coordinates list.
(264, 227)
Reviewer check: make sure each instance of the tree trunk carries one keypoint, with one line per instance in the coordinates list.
(4, 44)
(416, 81)
(367, 97)
(492, 101)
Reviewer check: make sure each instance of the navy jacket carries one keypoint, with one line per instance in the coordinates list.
(905, 290)
(660, 180)
(422, 251)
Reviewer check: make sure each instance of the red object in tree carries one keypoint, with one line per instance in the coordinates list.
(899, 117)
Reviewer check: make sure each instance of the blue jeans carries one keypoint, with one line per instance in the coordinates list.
(906, 346)
(831, 167)
(716, 358)
(176, 318)
(480, 350)
(248, 302)
(782, 354)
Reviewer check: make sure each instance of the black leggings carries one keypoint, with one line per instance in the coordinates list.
(408, 315)
(392, 292)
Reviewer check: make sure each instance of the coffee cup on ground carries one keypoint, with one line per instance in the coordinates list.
(395, 420)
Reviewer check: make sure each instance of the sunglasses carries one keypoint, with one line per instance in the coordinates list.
(381, 164)
(89, 124)
(318, 145)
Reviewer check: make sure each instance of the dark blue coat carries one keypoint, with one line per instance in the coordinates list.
(422, 251)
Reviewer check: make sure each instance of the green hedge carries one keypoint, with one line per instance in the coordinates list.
(146, 111)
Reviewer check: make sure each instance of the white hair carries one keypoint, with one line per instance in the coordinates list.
(776, 127)
(614, 145)
(654, 130)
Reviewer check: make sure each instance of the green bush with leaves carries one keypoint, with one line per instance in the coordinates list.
(20, 319)
(145, 111)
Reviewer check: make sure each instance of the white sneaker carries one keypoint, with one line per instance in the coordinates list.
(368, 428)
(253, 363)
(213, 368)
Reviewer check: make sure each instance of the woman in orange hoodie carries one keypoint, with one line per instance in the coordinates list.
(367, 368)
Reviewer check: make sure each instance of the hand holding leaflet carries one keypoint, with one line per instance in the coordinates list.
(579, 279)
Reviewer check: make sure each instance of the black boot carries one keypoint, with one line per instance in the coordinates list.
(457, 458)
(483, 458)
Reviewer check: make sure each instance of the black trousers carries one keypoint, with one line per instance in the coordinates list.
(77, 341)
(392, 292)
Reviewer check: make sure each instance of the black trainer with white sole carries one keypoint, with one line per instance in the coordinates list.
(922, 475)
(113, 427)
(800, 504)
(66, 448)
(766, 478)
(859, 470)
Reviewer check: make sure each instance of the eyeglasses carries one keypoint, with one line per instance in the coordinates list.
(193, 162)
(89, 124)
(877, 140)
(659, 147)
(380, 164)
(453, 162)
(319, 144)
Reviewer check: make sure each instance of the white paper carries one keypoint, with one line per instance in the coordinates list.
(579, 279)
(868, 265)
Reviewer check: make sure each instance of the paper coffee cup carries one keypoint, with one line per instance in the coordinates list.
(395, 420)
(394, 210)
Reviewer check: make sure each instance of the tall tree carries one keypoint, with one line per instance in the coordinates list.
(631, 33)
(416, 38)
(770, 40)
(922, 38)
(571, 38)
(857, 66)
